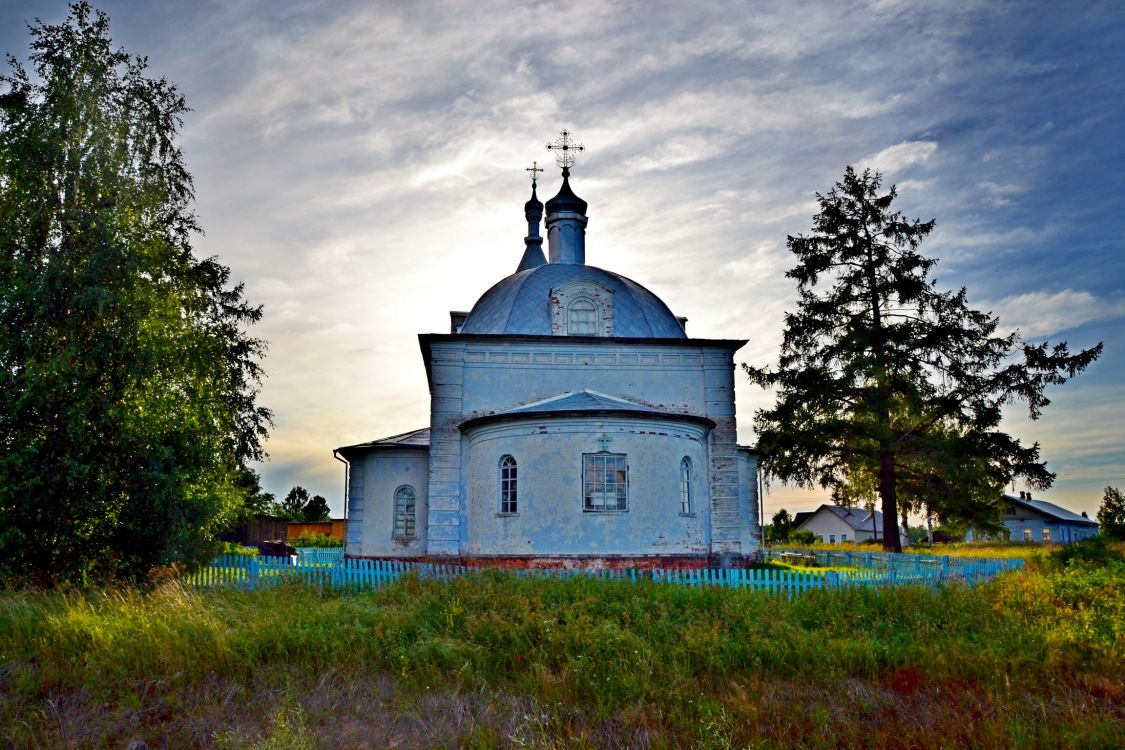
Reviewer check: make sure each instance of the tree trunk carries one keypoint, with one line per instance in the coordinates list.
(889, 495)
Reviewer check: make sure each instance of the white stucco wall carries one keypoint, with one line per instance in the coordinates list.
(748, 500)
(825, 523)
(476, 377)
(551, 519)
(373, 480)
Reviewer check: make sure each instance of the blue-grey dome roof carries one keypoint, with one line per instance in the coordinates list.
(519, 304)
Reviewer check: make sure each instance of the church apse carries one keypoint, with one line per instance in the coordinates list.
(572, 422)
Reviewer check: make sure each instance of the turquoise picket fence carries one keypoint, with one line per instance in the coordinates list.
(904, 568)
(320, 554)
(870, 570)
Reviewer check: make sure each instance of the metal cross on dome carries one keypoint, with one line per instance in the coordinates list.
(564, 149)
(535, 169)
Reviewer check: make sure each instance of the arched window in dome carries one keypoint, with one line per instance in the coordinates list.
(509, 492)
(405, 503)
(685, 486)
(581, 308)
(582, 318)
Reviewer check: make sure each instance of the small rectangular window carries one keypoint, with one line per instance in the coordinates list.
(1027, 535)
(1046, 535)
(831, 538)
(582, 319)
(605, 482)
(843, 537)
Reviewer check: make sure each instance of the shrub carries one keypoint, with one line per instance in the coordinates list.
(312, 539)
(234, 548)
(801, 537)
(1087, 553)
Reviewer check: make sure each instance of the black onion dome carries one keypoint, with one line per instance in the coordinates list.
(533, 205)
(566, 200)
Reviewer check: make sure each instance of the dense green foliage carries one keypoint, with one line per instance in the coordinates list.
(1111, 514)
(293, 506)
(1032, 660)
(886, 385)
(317, 509)
(234, 548)
(127, 382)
(315, 540)
(1091, 553)
(299, 506)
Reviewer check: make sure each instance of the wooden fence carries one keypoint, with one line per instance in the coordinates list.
(251, 572)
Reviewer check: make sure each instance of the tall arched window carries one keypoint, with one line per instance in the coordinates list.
(685, 485)
(509, 495)
(405, 503)
(582, 318)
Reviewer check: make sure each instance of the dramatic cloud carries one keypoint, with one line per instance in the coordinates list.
(360, 167)
(1038, 314)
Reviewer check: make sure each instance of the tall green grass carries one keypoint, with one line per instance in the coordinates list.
(681, 666)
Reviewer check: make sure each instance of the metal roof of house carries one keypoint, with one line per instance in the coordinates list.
(582, 403)
(583, 400)
(1051, 510)
(857, 518)
(413, 439)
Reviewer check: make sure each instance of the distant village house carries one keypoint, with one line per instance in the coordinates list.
(835, 524)
(1039, 521)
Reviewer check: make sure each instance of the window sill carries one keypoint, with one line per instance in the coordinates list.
(507, 515)
(686, 515)
(588, 511)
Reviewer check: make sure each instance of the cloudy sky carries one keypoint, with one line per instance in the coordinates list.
(360, 165)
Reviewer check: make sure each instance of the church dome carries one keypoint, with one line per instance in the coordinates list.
(520, 304)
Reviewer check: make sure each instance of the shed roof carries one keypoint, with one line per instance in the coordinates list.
(413, 439)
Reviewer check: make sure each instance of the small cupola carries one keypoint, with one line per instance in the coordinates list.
(533, 211)
(566, 212)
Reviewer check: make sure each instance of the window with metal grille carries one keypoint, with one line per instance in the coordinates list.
(405, 502)
(509, 497)
(685, 485)
(582, 318)
(605, 482)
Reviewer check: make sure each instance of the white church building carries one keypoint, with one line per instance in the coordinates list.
(572, 422)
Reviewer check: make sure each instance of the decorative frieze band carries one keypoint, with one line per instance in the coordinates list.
(505, 357)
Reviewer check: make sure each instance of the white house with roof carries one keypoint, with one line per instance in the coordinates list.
(1031, 520)
(835, 524)
(571, 419)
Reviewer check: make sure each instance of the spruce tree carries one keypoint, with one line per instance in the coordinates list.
(127, 381)
(1111, 514)
(885, 380)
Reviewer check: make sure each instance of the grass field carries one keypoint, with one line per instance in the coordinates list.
(1034, 659)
